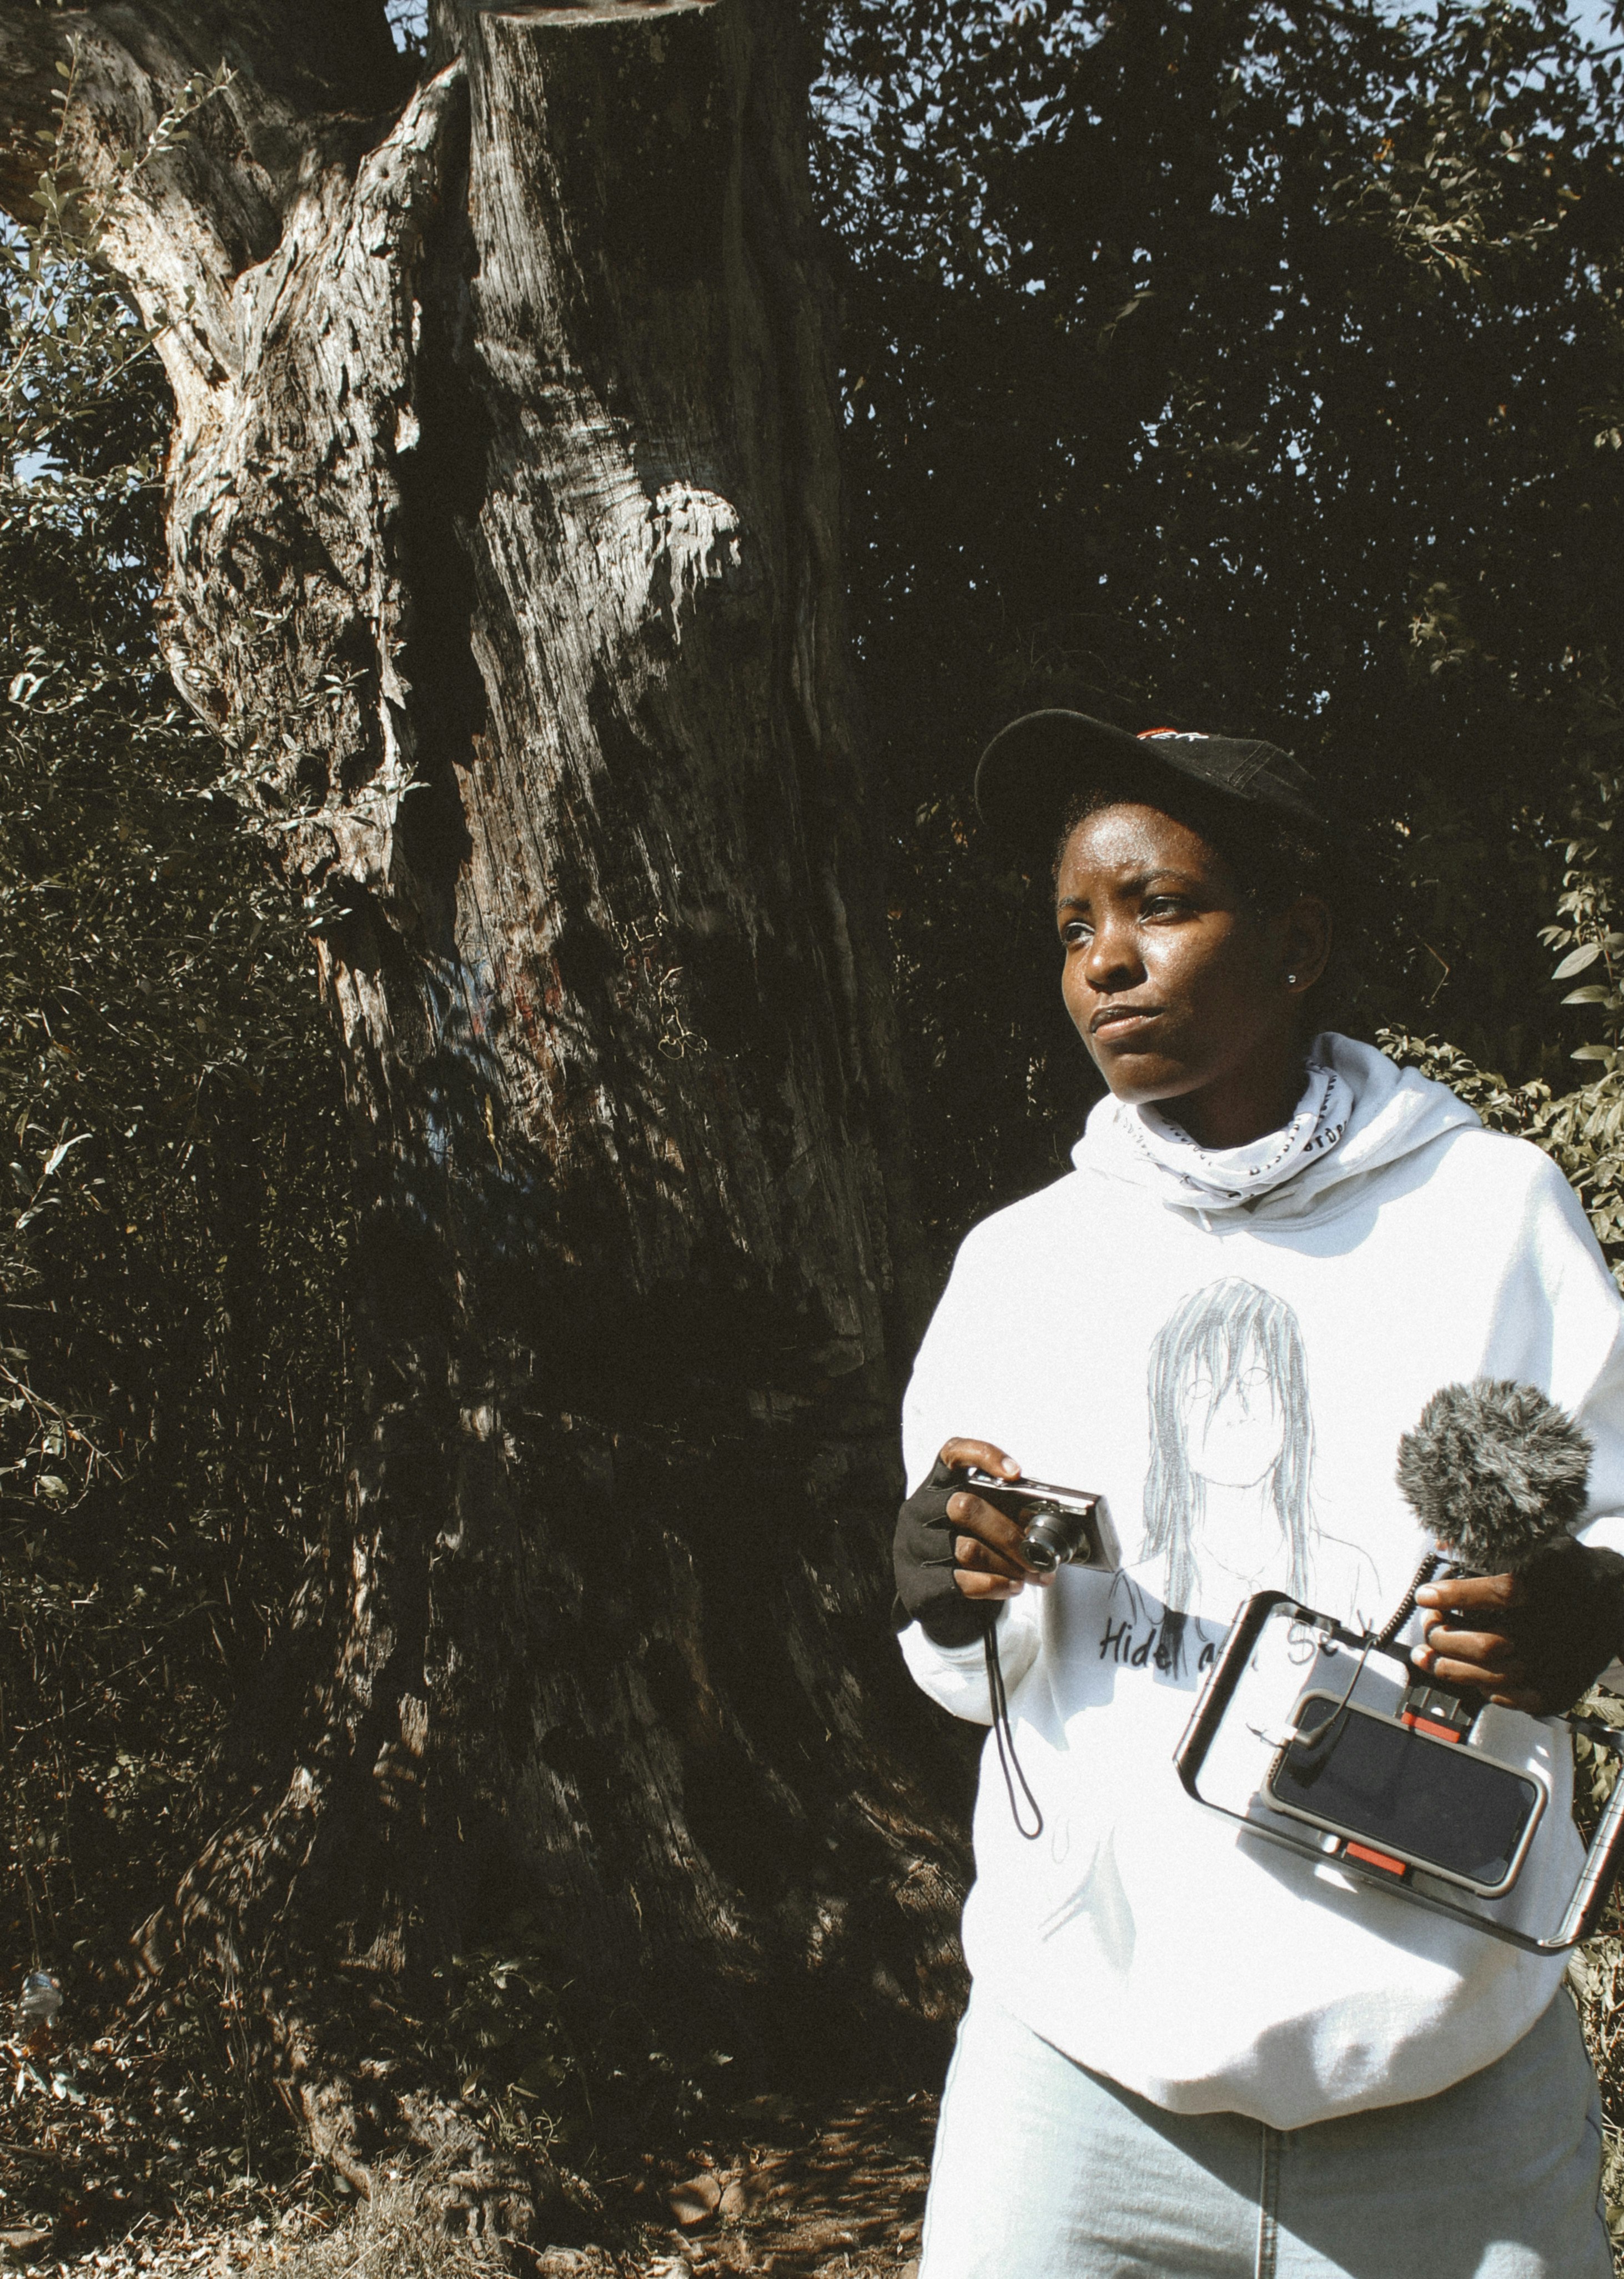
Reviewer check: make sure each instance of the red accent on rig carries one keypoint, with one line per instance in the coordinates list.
(1376, 1859)
(1429, 1726)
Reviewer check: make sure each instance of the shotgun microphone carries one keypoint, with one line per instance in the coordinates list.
(1495, 1472)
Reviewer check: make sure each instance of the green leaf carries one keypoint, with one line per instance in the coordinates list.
(1576, 960)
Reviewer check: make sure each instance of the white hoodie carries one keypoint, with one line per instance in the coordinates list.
(1084, 1330)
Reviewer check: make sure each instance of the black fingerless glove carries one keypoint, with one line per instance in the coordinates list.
(922, 1557)
(1570, 1625)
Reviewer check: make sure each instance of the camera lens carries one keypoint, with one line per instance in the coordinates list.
(1052, 1537)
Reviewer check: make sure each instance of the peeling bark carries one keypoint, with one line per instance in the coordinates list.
(503, 520)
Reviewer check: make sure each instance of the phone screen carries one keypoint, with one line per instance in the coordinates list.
(1433, 1801)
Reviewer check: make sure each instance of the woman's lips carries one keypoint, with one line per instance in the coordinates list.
(1121, 1020)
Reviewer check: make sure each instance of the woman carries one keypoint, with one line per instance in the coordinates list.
(1187, 2051)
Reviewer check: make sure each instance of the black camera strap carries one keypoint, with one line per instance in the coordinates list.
(1009, 1764)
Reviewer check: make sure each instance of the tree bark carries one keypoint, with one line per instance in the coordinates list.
(504, 524)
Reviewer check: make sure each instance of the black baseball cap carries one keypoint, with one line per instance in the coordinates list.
(1030, 770)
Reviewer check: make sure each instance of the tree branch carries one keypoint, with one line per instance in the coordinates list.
(312, 87)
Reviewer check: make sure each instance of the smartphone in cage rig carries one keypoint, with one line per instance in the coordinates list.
(1301, 1734)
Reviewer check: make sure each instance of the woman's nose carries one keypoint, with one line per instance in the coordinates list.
(1112, 961)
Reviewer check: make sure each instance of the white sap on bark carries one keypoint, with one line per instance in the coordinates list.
(504, 528)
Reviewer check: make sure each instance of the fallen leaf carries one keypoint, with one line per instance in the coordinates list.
(696, 2200)
(743, 2194)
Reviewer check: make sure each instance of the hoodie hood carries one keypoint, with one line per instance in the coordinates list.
(1384, 1113)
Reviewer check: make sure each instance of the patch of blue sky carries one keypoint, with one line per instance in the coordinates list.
(409, 24)
(1596, 20)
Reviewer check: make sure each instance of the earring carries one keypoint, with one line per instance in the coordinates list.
(1290, 981)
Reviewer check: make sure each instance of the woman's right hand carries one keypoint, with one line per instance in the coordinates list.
(954, 1555)
(989, 1548)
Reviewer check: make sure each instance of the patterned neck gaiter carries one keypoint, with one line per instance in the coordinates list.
(1227, 1179)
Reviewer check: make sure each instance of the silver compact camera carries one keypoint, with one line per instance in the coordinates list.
(1061, 1526)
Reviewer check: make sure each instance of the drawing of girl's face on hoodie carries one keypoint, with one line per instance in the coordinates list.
(1228, 1507)
(1234, 1432)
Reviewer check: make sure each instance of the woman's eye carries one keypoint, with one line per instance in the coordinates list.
(1162, 906)
(1074, 931)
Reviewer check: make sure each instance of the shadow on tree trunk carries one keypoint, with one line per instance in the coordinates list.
(503, 515)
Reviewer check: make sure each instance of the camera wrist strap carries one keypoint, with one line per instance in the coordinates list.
(1009, 1764)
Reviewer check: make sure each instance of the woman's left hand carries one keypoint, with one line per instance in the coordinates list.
(1535, 1640)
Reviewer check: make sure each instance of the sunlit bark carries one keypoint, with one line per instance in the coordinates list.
(503, 526)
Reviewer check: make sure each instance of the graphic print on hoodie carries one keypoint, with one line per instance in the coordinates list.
(1228, 1354)
(1229, 1490)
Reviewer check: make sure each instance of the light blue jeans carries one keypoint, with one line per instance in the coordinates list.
(1044, 2170)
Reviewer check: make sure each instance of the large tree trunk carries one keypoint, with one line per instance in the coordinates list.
(503, 559)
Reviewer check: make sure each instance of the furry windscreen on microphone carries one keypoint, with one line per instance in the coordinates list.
(1493, 1470)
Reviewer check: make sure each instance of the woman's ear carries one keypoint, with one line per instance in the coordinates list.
(1305, 938)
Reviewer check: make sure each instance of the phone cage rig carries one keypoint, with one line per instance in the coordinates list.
(1602, 1859)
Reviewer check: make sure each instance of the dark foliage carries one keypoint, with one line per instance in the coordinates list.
(1237, 368)
(171, 1384)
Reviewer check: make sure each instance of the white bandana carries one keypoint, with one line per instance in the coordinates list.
(1227, 1179)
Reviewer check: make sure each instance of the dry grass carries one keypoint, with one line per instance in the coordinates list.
(399, 2233)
